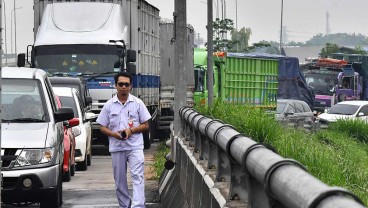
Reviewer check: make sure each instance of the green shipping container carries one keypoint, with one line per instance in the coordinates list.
(250, 81)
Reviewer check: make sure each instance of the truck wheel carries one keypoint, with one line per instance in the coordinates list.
(146, 139)
(55, 198)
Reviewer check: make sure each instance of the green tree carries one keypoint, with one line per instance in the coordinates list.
(359, 50)
(329, 49)
(220, 29)
(240, 39)
(338, 38)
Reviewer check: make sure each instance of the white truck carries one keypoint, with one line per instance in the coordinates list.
(95, 40)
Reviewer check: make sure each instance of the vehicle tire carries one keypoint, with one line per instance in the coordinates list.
(82, 165)
(55, 199)
(72, 171)
(89, 159)
(67, 176)
(146, 140)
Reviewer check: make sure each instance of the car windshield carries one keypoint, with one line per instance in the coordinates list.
(22, 101)
(69, 102)
(280, 107)
(343, 109)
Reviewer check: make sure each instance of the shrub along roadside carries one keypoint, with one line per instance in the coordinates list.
(159, 160)
(338, 156)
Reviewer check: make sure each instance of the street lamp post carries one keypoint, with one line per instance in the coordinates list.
(5, 30)
(236, 23)
(15, 29)
(236, 15)
(282, 10)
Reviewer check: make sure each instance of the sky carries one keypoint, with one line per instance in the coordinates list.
(302, 19)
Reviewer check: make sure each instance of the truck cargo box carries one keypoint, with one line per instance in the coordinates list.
(249, 80)
(291, 81)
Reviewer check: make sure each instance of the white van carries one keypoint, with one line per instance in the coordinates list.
(31, 138)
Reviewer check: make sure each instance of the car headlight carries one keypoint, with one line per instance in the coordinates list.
(34, 157)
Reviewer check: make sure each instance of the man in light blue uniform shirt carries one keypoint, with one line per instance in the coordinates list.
(123, 119)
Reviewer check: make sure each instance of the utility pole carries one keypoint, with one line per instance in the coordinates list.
(236, 24)
(180, 38)
(1, 113)
(5, 30)
(210, 51)
(282, 11)
(15, 29)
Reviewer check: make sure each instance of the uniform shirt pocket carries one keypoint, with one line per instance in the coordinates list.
(114, 121)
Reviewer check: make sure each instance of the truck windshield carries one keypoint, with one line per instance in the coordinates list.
(76, 59)
(199, 74)
(322, 84)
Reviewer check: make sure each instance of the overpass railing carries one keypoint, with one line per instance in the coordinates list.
(257, 176)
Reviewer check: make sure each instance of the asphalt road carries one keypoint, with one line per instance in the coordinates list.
(94, 188)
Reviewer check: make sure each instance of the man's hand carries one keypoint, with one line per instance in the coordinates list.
(117, 135)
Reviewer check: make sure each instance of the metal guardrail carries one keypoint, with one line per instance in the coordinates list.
(257, 175)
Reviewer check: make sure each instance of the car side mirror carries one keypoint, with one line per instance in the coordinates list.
(64, 113)
(360, 114)
(289, 113)
(90, 116)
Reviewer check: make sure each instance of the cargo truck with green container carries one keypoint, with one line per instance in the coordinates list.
(237, 79)
(252, 79)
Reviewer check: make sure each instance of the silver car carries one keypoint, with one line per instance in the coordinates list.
(32, 138)
(293, 111)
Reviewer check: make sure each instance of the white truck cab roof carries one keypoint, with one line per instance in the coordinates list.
(58, 20)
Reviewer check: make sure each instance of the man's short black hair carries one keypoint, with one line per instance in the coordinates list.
(123, 74)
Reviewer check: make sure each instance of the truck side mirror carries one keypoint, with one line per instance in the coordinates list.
(131, 56)
(21, 60)
(132, 69)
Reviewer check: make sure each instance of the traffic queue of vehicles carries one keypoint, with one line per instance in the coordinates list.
(32, 141)
(46, 136)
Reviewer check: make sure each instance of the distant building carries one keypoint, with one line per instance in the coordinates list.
(198, 40)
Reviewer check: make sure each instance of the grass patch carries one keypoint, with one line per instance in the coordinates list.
(337, 156)
(159, 160)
